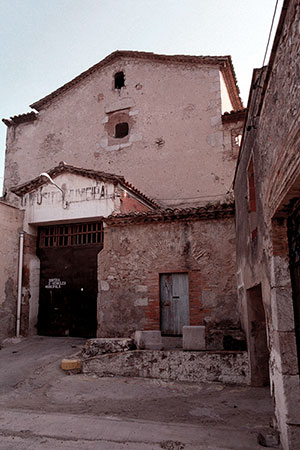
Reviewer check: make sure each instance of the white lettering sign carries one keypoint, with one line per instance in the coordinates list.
(55, 283)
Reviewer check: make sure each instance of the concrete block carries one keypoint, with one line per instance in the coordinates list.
(148, 340)
(193, 337)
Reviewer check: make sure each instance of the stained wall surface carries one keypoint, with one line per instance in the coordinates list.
(135, 255)
(272, 144)
(11, 222)
(175, 150)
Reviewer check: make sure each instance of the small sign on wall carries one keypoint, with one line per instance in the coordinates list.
(55, 283)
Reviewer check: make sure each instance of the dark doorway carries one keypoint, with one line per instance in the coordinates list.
(294, 248)
(68, 279)
(257, 338)
(174, 303)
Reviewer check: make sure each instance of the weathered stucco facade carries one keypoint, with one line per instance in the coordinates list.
(267, 187)
(160, 122)
(11, 222)
(173, 106)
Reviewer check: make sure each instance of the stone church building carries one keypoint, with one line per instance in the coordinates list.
(117, 213)
(120, 183)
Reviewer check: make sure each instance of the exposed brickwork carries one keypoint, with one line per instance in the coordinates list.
(279, 237)
(251, 187)
(129, 204)
(133, 258)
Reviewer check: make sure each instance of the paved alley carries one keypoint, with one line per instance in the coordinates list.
(43, 408)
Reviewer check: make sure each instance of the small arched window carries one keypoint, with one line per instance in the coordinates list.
(119, 80)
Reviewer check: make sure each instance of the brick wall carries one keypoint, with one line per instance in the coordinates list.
(133, 258)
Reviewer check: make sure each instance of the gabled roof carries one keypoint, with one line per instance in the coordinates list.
(224, 62)
(117, 180)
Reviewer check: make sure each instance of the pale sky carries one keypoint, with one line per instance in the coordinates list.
(46, 43)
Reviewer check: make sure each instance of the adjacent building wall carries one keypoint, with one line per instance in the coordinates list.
(267, 187)
(11, 222)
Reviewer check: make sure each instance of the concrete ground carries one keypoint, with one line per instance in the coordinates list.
(41, 407)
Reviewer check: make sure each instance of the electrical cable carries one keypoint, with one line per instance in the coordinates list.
(275, 10)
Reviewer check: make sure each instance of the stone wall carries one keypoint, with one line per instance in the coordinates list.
(135, 255)
(196, 367)
(11, 221)
(272, 142)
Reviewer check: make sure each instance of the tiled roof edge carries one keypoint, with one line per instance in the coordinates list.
(21, 118)
(231, 84)
(234, 116)
(171, 215)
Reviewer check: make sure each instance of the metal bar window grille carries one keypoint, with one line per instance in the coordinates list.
(74, 234)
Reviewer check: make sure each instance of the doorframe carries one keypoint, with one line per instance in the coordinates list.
(34, 287)
(188, 273)
(257, 338)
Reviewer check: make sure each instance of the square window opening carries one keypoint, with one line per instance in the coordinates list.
(121, 130)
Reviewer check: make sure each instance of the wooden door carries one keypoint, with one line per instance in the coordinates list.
(174, 301)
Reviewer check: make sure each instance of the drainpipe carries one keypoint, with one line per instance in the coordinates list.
(19, 299)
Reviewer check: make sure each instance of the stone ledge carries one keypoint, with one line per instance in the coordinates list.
(101, 346)
(223, 367)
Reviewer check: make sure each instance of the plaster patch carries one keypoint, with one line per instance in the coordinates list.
(141, 302)
(209, 299)
(141, 288)
(216, 120)
(104, 286)
(134, 137)
(215, 139)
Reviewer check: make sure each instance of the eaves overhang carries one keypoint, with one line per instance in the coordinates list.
(208, 212)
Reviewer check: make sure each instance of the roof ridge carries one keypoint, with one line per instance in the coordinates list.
(223, 61)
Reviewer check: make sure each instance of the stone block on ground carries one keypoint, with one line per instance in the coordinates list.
(193, 337)
(100, 346)
(148, 340)
(71, 365)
